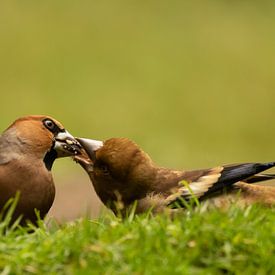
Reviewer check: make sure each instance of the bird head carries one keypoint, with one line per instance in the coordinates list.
(42, 137)
(117, 164)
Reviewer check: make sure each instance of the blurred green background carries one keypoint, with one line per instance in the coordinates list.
(192, 82)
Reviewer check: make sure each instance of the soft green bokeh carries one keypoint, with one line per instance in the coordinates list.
(191, 81)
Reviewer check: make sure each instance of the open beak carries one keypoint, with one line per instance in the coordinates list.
(90, 146)
(66, 145)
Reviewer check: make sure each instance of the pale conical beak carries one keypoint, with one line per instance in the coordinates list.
(66, 145)
(90, 146)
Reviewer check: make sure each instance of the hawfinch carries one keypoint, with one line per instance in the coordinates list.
(122, 173)
(28, 148)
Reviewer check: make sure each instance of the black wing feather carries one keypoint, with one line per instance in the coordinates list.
(234, 173)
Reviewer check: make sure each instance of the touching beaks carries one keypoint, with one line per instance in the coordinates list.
(90, 146)
(66, 145)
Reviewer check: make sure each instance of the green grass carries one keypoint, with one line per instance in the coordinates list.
(191, 81)
(238, 241)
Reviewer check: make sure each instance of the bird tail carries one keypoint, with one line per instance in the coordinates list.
(260, 178)
(247, 172)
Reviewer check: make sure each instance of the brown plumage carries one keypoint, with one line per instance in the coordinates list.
(122, 173)
(28, 148)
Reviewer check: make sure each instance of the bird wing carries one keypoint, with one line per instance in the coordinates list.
(216, 179)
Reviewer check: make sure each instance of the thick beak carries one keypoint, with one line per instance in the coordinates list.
(66, 145)
(90, 146)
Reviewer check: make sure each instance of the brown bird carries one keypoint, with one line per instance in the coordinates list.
(122, 173)
(28, 148)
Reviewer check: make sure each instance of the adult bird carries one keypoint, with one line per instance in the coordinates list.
(122, 173)
(28, 149)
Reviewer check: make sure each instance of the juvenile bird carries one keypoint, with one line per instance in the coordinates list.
(122, 173)
(28, 148)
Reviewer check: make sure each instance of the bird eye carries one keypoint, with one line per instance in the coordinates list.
(103, 168)
(49, 124)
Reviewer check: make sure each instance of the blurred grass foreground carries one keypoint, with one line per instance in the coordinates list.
(191, 81)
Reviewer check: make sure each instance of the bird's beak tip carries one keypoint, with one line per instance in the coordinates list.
(90, 146)
(90, 143)
(66, 145)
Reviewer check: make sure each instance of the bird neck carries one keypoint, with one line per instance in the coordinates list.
(14, 144)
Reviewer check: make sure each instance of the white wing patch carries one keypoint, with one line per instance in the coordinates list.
(197, 188)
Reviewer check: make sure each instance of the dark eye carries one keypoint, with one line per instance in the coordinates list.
(49, 124)
(103, 168)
